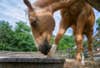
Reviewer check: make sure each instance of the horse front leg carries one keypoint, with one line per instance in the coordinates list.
(61, 32)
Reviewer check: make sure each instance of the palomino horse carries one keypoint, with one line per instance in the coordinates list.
(76, 14)
(42, 22)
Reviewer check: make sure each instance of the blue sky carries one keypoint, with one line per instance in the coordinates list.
(15, 10)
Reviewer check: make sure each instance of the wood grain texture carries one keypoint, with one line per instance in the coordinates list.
(28, 60)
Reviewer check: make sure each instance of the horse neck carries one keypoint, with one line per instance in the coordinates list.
(44, 3)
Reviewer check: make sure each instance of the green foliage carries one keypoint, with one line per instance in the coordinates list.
(98, 23)
(19, 39)
(66, 42)
(66, 45)
(22, 27)
(97, 36)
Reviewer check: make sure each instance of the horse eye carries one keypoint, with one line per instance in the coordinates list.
(34, 23)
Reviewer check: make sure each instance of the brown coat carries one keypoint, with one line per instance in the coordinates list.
(77, 14)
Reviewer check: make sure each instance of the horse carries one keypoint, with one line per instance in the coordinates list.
(42, 23)
(78, 15)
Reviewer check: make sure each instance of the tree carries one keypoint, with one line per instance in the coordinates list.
(6, 34)
(19, 39)
(66, 42)
(97, 36)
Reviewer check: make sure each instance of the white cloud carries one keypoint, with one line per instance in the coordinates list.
(10, 10)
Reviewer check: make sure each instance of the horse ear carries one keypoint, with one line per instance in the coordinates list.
(28, 4)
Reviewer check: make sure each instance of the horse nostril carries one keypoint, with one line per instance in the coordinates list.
(44, 49)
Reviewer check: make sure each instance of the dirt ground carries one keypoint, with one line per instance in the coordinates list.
(88, 64)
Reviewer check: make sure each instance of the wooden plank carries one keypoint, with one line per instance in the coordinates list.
(28, 60)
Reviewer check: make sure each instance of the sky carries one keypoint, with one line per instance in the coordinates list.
(15, 10)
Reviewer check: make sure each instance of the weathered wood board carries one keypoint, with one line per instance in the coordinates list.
(28, 60)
